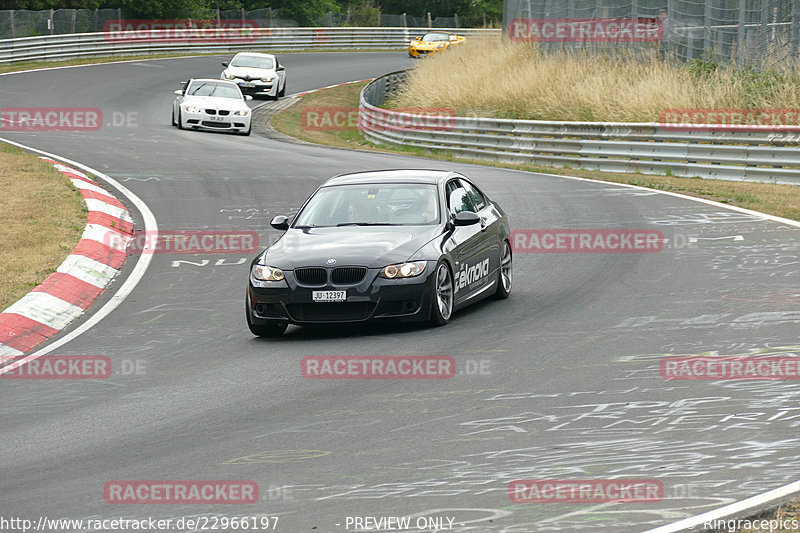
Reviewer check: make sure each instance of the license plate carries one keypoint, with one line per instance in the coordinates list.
(329, 296)
(246, 84)
(216, 119)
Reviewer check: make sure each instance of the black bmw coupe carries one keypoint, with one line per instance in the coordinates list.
(410, 245)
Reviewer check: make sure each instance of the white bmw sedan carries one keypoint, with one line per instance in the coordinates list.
(256, 73)
(210, 104)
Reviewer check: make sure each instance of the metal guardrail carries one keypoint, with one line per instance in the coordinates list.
(768, 156)
(61, 47)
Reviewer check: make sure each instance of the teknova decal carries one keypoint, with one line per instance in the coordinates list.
(467, 275)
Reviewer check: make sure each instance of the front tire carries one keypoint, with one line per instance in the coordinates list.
(246, 133)
(283, 89)
(443, 296)
(505, 275)
(270, 329)
(180, 120)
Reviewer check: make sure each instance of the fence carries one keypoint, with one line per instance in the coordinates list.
(648, 148)
(761, 33)
(60, 47)
(24, 23)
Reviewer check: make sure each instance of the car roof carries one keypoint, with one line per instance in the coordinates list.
(259, 54)
(217, 80)
(393, 176)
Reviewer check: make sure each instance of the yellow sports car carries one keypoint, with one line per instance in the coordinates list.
(432, 42)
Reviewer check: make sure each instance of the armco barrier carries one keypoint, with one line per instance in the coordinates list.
(771, 156)
(60, 47)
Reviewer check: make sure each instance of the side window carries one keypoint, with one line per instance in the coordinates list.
(457, 198)
(475, 195)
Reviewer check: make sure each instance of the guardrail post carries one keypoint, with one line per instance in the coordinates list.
(119, 16)
(269, 14)
(430, 22)
(74, 16)
(12, 24)
(50, 24)
(96, 15)
(455, 15)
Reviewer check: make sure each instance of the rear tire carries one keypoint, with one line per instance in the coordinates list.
(505, 274)
(271, 329)
(443, 295)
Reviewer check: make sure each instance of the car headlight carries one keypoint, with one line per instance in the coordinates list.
(403, 270)
(267, 273)
(227, 75)
(267, 79)
(241, 113)
(193, 109)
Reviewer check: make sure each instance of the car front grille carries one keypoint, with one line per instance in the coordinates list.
(348, 275)
(311, 276)
(211, 111)
(224, 112)
(209, 124)
(331, 311)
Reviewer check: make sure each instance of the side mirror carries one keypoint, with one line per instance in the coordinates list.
(280, 222)
(466, 218)
(248, 97)
(281, 67)
(179, 92)
(224, 63)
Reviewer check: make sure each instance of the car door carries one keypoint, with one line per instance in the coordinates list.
(470, 268)
(491, 244)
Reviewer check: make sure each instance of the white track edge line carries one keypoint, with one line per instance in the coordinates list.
(130, 283)
(728, 510)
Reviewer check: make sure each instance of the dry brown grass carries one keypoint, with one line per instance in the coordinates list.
(42, 217)
(514, 80)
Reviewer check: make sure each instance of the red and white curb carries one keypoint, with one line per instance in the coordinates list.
(81, 278)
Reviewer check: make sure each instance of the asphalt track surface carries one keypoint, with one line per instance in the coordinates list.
(568, 387)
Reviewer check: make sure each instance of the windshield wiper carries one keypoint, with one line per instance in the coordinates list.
(365, 224)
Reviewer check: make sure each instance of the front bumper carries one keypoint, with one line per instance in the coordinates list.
(375, 298)
(215, 121)
(257, 86)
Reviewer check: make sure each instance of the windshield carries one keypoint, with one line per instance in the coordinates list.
(252, 62)
(210, 88)
(431, 37)
(371, 204)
